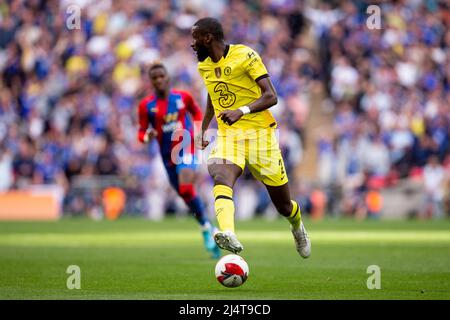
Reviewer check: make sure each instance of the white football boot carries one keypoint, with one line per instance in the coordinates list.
(302, 242)
(227, 240)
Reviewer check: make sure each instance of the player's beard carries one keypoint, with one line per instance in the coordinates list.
(202, 53)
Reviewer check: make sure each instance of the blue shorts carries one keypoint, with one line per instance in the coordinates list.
(173, 170)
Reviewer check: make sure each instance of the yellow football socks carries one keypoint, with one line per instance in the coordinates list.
(224, 207)
(296, 216)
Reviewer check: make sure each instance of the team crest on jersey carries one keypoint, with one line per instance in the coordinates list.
(218, 72)
(227, 71)
(180, 104)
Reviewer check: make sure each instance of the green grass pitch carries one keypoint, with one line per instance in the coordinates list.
(139, 259)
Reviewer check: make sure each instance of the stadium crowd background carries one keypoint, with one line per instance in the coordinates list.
(68, 98)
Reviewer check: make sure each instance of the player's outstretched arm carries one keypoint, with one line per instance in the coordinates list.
(193, 108)
(268, 99)
(209, 114)
(146, 132)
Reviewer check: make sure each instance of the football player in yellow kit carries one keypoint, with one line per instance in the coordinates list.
(240, 94)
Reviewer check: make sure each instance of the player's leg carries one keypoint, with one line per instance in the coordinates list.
(188, 195)
(186, 190)
(224, 176)
(290, 209)
(225, 164)
(266, 164)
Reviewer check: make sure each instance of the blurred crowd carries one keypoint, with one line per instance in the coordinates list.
(69, 95)
(390, 89)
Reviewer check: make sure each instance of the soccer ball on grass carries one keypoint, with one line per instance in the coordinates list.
(232, 271)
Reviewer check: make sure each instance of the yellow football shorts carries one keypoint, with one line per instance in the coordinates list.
(258, 149)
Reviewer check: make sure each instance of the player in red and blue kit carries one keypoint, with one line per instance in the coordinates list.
(166, 116)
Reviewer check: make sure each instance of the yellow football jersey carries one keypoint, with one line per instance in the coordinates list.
(231, 83)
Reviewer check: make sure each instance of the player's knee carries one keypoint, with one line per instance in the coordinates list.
(284, 208)
(220, 178)
(187, 192)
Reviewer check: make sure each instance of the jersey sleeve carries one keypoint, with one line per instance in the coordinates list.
(143, 120)
(253, 65)
(193, 108)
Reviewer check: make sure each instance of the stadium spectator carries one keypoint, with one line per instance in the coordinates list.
(435, 180)
(391, 91)
(24, 165)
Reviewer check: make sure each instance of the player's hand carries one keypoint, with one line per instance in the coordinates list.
(150, 134)
(230, 116)
(200, 141)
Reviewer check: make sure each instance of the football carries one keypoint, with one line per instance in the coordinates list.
(232, 271)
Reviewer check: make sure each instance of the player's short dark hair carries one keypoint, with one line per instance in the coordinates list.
(156, 66)
(210, 25)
